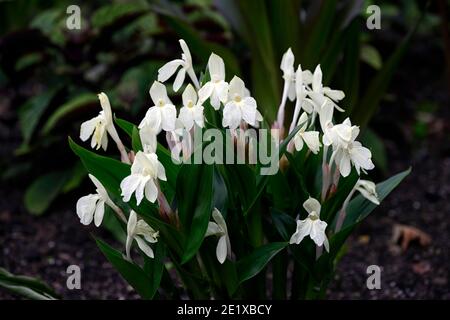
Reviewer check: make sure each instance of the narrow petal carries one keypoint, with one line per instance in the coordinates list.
(144, 247)
(221, 250)
(179, 79)
(167, 70)
(99, 212)
(205, 91)
(345, 165)
(216, 67)
(317, 80)
(151, 192)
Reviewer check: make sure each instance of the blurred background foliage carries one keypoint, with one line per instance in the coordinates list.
(49, 75)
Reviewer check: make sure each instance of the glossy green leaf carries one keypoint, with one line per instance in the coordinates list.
(359, 208)
(81, 101)
(252, 264)
(27, 287)
(131, 272)
(194, 192)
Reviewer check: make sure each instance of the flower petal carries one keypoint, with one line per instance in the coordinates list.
(312, 205)
(167, 70)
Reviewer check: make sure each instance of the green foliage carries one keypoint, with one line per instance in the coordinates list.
(28, 287)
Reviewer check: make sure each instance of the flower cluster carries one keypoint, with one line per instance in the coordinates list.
(238, 109)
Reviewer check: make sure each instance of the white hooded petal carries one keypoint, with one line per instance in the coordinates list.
(317, 80)
(186, 53)
(311, 139)
(287, 62)
(221, 250)
(106, 107)
(168, 70)
(189, 96)
(236, 88)
(216, 67)
(312, 205)
(218, 218)
(158, 93)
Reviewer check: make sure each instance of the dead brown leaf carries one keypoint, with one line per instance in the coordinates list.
(406, 234)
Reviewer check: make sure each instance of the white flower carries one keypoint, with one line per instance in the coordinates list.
(140, 231)
(368, 190)
(346, 150)
(312, 225)
(92, 206)
(99, 126)
(311, 138)
(355, 154)
(145, 171)
(216, 89)
(163, 113)
(168, 70)
(320, 93)
(287, 66)
(240, 106)
(219, 229)
(339, 135)
(192, 111)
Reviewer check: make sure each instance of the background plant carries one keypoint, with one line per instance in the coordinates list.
(54, 74)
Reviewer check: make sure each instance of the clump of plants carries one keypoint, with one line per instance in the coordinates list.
(229, 206)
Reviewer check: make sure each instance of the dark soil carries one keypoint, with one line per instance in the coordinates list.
(45, 246)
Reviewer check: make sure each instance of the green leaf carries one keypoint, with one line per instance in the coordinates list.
(126, 126)
(131, 272)
(28, 287)
(108, 171)
(195, 203)
(43, 191)
(31, 112)
(155, 267)
(80, 102)
(136, 140)
(107, 14)
(359, 208)
(252, 264)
